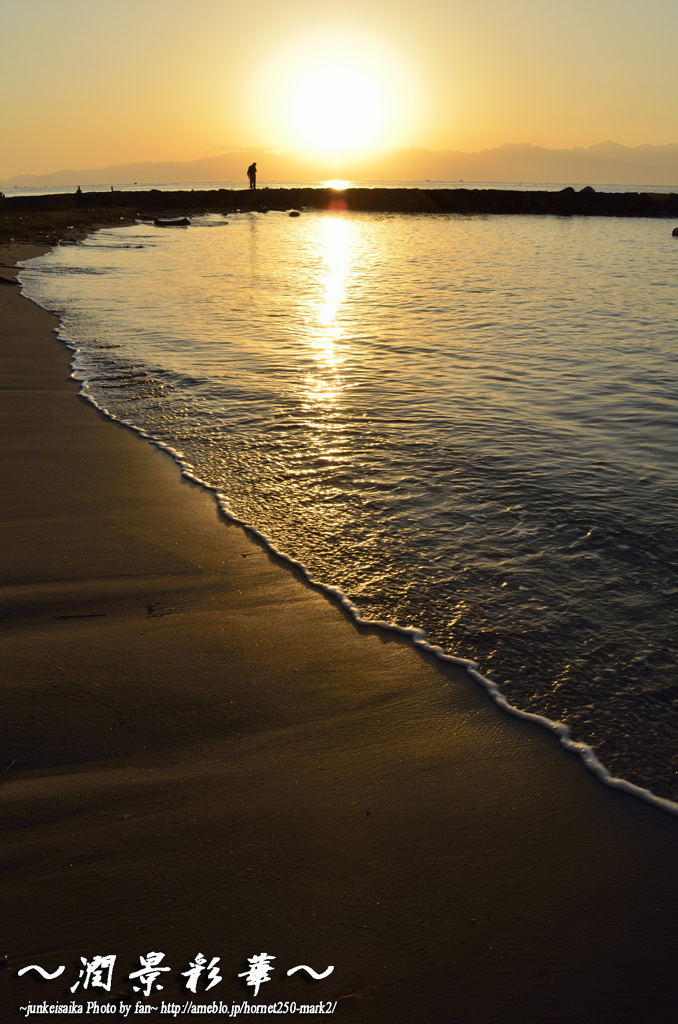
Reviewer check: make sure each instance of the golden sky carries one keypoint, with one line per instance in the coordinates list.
(89, 83)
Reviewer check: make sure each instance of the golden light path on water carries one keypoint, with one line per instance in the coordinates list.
(336, 255)
(324, 388)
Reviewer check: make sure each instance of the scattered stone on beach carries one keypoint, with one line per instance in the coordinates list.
(294, 213)
(675, 232)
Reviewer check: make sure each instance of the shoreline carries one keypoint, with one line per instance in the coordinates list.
(417, 637)
(212, 756)
(413, 635)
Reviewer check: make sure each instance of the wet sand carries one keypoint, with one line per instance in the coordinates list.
(211, 757)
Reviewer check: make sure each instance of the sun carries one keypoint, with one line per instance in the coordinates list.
(334, 92)
(335, 107)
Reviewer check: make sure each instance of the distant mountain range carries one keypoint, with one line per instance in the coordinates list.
(604, 163)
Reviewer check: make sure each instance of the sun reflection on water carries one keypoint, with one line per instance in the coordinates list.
(325, 385)
(336, 255)
(323, 392)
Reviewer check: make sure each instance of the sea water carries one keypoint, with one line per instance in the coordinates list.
(206, 186)
(466, 424)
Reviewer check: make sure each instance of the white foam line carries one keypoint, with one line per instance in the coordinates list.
(416, 636)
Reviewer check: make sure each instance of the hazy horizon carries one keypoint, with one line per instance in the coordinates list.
(603, 163)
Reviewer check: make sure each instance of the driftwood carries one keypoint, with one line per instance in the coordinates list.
(2, 776)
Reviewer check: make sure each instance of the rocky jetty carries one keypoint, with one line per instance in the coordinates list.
(54, 215)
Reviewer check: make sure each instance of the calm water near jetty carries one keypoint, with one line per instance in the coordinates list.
(468, 424)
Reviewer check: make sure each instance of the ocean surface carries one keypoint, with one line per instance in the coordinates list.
(204, 186)
(467, 424)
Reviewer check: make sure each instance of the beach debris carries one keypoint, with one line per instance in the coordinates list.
(155, 611)
(294, 213)
(172, 222)
(82, 615)
(675, 232)
(2, 776)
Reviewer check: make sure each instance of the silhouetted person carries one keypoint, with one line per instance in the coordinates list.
(252, 175)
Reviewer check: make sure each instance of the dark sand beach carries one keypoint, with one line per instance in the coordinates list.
(211, 757)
